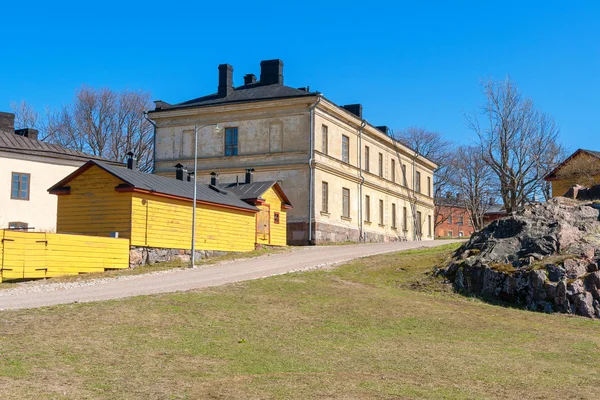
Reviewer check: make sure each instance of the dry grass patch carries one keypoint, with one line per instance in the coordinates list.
(360, 331)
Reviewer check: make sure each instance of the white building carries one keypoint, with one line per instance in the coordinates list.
(28, 167)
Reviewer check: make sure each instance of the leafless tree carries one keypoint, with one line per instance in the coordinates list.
(515, 139)
(475, 180)
(101, 122)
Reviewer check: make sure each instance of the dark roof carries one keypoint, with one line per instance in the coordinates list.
(13, 143)
(496, 209)
(552, 174)
(252, 92)
(251, 191)
(164, 185)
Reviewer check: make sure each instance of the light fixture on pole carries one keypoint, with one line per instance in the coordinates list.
(196, 129)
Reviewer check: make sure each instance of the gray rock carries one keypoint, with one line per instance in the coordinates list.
(574, 268)
(555, 272)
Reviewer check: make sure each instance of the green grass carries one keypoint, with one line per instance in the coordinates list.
(377, 328)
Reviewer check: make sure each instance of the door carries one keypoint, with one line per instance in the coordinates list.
(24, 255)
(263, 225)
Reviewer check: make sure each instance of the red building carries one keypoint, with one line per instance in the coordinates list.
(452, 219)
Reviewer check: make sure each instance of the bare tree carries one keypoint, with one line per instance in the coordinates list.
(101, 122)
(434, 147)
(474, 179)
(514, 137)
(583, 169)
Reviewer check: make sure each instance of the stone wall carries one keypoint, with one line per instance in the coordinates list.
(152, 255)
(328, 233)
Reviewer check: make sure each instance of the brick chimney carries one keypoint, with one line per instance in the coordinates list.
(7, 122)
(271, 71)
(249, 79)
(355, 109)
(179, 171)
(225, 80)
(28, 133)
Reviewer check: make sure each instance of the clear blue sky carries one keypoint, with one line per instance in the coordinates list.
(409, 63)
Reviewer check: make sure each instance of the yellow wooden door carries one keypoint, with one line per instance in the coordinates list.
(24, 255)
(263, 225)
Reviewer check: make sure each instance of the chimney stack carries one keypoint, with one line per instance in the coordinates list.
(28, 133)
(271, 71)
(190, 176)
(249, 79)
(249, 175)
(7, 122)
(131, 161)
(355, 109)
(214, 179)
(179, 172)
(225, 80)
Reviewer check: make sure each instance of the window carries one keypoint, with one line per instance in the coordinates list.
(231, 141)
(429, 225)
(404, 174)
(461, 234)
(345, 148)
(325, 197)
(367, 158)
(19, 189)
(381, 165)
(419, 222)
(19, 226)
(449, 233)
(346, 203)
(380, 212)
(325, 138)
(404, 219)
(429, 186)
(460, 220)
(367, 209)
(393, 171)
(449, 219)
(418, 182)
(393, 216)
(276, 217)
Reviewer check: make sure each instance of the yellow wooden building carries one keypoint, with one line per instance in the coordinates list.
(580, 168)
(156, 211)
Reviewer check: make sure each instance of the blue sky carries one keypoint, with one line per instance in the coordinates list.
(408, 63)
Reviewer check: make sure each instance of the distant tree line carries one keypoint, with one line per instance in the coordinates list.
(100, 122)
(515, 147)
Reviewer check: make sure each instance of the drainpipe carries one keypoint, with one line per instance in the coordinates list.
(361, 237)
(311, 110)
(154, 141)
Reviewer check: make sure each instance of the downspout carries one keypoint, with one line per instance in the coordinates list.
(311, 110)
(153, 141)
(361, 237)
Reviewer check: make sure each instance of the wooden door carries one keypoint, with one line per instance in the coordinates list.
(263, 225)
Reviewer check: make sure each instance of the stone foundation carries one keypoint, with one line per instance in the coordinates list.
(326, 233)
(152, 255)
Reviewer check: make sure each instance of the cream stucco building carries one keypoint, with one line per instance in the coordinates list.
(346, 179)
(28, 167)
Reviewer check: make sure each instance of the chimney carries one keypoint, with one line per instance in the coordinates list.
(28, 133)
(159, 105)
(179, 170)
(249, 175)
(249, 79)
(225, 80)
(355, 109)
(190, 176)
(131, 161)
(384, 128)
(214, 178)
(271, 71)
(7, 122)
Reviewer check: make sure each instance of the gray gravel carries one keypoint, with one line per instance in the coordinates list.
(46, 293)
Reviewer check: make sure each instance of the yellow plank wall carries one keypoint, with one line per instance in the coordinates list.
(167, 223)
(278, 236)
(94, 207)
(560, 188)
(27, 255)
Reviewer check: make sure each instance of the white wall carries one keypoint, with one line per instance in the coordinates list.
(40, 210)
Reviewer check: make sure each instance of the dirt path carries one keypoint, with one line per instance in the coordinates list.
(187, 279)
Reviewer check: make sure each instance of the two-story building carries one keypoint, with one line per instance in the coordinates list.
(348, 179)
(28, 167)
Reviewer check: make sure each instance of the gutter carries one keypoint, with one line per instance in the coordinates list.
(361, 237)
(311, 110)
(153, 141)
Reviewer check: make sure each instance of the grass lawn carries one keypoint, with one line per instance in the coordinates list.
(375, 328)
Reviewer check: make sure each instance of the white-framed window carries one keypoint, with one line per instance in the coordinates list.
(367, 161)
(345, 149)
(345, 203)
(325, 139)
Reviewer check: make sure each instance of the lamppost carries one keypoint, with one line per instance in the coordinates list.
(196, 129)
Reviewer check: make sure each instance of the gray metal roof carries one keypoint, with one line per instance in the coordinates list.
(13, 143)
(252, 92)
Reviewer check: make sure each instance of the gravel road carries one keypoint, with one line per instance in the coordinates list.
(299, 259)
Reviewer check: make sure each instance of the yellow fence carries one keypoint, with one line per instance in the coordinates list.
(27, 255)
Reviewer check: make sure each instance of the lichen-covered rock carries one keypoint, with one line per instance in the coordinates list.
(545, 258)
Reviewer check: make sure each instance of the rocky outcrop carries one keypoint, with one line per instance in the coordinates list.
(546, 258)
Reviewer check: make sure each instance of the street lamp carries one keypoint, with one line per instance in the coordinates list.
(196, 129)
